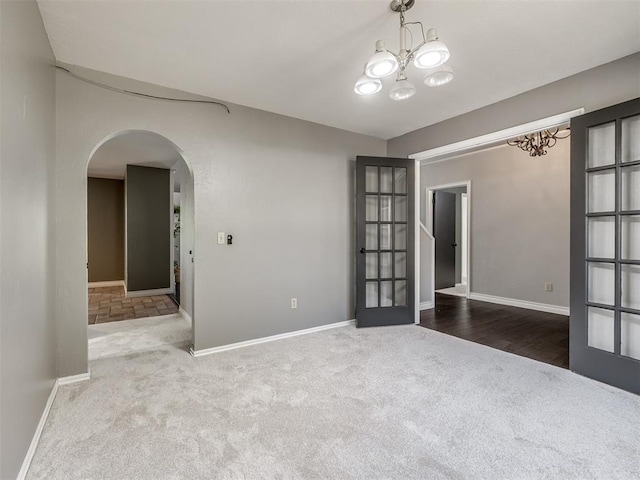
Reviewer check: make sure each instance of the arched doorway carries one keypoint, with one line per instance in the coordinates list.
(140, 238)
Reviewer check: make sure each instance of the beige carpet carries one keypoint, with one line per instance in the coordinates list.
(139, 335)
(394, 402)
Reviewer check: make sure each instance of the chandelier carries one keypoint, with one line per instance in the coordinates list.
(536, 143)
(430, 55)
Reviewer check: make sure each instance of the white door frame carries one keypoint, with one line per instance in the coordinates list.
(430, 191)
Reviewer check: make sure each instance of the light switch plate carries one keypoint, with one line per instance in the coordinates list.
(222, 238)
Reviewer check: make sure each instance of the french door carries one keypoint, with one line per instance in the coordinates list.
(385, 229)
(605, 245)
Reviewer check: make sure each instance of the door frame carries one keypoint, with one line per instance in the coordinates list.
(467, 221)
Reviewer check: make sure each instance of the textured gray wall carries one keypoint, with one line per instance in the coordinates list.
(599, 87)
(149, 213)
(282, 187)
(27, 252)
(105, 229)
(519, 220)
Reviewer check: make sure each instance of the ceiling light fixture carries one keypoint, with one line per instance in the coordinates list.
(430, 54)
(535, 144)
(367, 85)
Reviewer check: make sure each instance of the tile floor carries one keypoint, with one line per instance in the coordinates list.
(109, 304)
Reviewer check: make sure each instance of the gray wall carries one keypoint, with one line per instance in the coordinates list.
(282, 187)
(599, 87)
(149, 196)
(27, 252)
(519, 220)
(105, 229)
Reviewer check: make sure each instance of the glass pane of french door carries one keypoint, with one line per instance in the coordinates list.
(386, 255)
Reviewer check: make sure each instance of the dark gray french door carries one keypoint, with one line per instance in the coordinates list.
(444, 232)
(385, 229)
(605, 245)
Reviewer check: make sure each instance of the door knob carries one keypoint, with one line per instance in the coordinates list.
(362, 250)
(454, 244)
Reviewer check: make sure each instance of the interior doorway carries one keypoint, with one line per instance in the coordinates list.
(139, 216)
(448, 221)
(519, 270)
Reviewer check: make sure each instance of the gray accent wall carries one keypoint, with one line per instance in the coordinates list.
(105, 229)
(27, 229)
(282, 187)
(149, 196)
(599, 87)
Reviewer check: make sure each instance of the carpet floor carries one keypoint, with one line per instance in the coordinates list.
(139, 335)
(391, 402)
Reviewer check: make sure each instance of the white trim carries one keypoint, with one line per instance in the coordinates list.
(416, 246)
(26, 463)
(432, 255)
(512, 302)
(257, 341)
(439, 153)
(111, 283)
(185, 315)
(426, 305)
(149, 293)
(81, 377)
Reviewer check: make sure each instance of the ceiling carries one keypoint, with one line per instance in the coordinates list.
(301, 58)
(141, 148)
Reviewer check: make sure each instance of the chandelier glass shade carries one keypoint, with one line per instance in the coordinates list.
(402, 90)
(438, 76)
(430, 54)
(536, 144)
(367, 85)
(382, 63)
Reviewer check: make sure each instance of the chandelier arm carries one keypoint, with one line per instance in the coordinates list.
(424, 37)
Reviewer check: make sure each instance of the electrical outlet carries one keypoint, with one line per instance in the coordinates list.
(294, 303)
(222, 238)
(548, 287)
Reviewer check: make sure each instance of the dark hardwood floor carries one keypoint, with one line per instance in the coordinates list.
(529, 333)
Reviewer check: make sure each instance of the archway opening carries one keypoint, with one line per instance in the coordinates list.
(140, 242)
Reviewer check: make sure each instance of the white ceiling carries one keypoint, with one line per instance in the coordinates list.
(301, 58)
(146, 149)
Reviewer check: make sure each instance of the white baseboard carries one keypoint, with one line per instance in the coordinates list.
(26, 463)
(149, 293)
(81, 377)
(185, 315)
(512, 302)
(112, 283)
(257, 341)
(426, 305)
